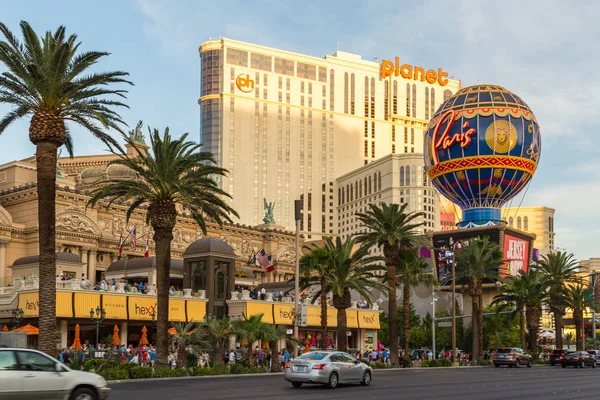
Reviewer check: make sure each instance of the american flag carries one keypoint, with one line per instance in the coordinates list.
(121, 244)
(263, 260)
(133, 239)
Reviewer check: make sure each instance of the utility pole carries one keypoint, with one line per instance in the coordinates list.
(454, 360)
(298, 215)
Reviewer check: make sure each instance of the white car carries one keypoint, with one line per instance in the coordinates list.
(31, 374)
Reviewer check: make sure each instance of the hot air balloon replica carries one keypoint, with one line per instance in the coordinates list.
(481, 148)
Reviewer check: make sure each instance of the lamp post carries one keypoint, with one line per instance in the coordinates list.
(17, 317)
(454, 361)
(298, 215)
(97, 316)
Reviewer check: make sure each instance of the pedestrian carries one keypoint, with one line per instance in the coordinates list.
(232, 357)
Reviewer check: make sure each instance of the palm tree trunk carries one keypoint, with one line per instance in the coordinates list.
(558, 329)
(342, 329)
(578, 320)
(46, 187)
(475, 325)
(533, 322)
(393, 315)
(275, 364)
(522, 322)
(405, 317)
(479, 326)
(162, 239)
(181, 358)
(323, 339)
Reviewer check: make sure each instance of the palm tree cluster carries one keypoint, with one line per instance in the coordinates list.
(49, 78)
(553, 281)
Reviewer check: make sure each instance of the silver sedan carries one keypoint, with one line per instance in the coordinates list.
(329, 368)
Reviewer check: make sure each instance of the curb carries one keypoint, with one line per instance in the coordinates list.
(180, 378)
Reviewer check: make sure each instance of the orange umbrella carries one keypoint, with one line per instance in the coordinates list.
(29, 329)
(265, 346)
(5, 328)
(172, 331)
(77, 341)
(144, 338)
(115, 339)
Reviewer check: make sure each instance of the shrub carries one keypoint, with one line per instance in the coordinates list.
(111, 374)
(199, 371)
(237, 369)
(94, 363)
(164, 372)
(444, 362)
(380, 365)
(221, 369)
(258, 370)
(191, 360)
(140, 372)
(405, 362)
(484, 362)
(425, 363)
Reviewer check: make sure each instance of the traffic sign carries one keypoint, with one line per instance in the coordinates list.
(445, 324)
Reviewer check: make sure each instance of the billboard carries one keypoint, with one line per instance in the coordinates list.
(516, 254)
(458, 238)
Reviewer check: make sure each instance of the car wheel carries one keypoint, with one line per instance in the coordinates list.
(333, 381)
(366, 381)
(564, 366)
(84, 394)
(511, 365)
(497, 365)
(552, 364)
(530, 364)
(517, 363)
(296, 384)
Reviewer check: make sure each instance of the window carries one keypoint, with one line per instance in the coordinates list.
(432, 100)
(510, 221)
(283, 66)
(447, 94)
(393, 133)
(306, 71)
(408, 176)
(331, 90)
(408, 99)
(386, 102)
(375, 182)
(393, 149)
(261, 61)
(395, 99)
(8, 361)
(414, 100)
(525, 223)
(352, 90)
(426, 103)
(31, 361)
(401, 176)
(199, 275)
(322, 74)
(379, 180)
(346, 93)
(519, 223)
(237, 57)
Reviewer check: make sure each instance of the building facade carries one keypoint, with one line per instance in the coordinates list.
(538, 220)
(395, 178)
(286, 125)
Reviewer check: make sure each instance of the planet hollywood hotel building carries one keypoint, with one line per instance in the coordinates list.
(287, 125)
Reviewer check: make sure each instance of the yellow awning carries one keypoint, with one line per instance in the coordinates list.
(84, 302)
(283, 314)
(351, 318)
(177, 310)
(64, 304)
(368, 319)
(115, 306)
(196, 310)
(255, 308)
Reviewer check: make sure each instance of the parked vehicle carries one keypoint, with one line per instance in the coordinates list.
(512, 357)
(578, 359)
(329, 368)
(595, 354)
(31, 374)
(556, 356)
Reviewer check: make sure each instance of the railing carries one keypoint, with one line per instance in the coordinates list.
(245, 295)
(9, 293)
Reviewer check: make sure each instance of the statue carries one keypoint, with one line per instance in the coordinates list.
(59, 172)
(136, 136)
(269, 219)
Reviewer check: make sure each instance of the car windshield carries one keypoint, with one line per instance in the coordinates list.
(312, 356)
(504, 350)
(557, 351)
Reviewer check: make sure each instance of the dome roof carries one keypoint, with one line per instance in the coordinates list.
(91, 175)
(134, 264)
(60, 256)
(120, 172)
(209, 245)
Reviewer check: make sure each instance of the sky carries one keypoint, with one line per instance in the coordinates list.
(544, 51)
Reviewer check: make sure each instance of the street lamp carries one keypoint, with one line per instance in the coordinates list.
(298, 215)
(17, 317)
(97, 316)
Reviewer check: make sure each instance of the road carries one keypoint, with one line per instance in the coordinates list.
(428, 383)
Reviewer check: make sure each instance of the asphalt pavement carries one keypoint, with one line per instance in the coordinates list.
(489, 383)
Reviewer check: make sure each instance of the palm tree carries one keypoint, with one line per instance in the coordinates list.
(579, 297)
(350, 269)
(313, 271)
(187, 336)
(536, 287)
(250, 329)
(561, 269)
(513, 292)
(393, 229)
(49, 80)
(412, 271)
(273, 334)
(475, 263)
(174, 174)
(216, 332)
